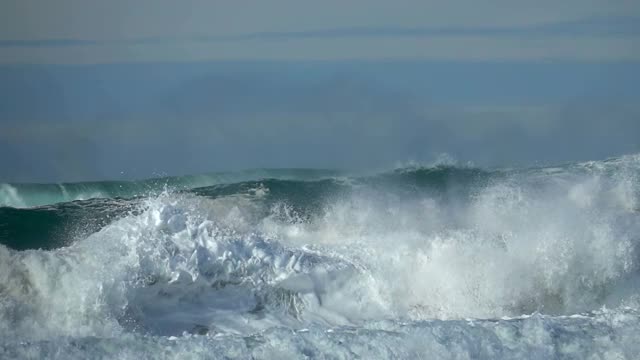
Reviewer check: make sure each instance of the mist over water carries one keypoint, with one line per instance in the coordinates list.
(444, 261)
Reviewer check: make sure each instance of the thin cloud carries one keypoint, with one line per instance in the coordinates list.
(444, 48)
(595, 26)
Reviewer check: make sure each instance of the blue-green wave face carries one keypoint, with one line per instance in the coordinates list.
(69, 211)
(299, 262)
(30, 195)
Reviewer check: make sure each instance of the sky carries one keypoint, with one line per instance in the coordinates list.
(94, 90)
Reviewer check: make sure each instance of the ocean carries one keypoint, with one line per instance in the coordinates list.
(447, 261)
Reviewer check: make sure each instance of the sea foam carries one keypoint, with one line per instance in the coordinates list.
(531, 263)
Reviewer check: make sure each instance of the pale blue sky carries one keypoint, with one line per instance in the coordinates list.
(124, 89)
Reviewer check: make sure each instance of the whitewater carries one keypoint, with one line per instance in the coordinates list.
(435, 262)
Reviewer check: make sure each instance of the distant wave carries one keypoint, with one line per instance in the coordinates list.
(32, 194)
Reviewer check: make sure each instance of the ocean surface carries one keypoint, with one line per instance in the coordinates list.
(435, 262)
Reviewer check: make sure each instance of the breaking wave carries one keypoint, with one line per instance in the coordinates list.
(444, 262)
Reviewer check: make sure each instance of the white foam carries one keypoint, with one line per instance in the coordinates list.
(389, 276)
(516, 248)
(602, 335)
(9, 196)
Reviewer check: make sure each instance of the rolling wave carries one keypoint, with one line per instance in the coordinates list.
(30, 195)
(444, 261)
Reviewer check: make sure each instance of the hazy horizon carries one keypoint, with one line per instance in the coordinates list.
(131, 91)
(523, 245)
